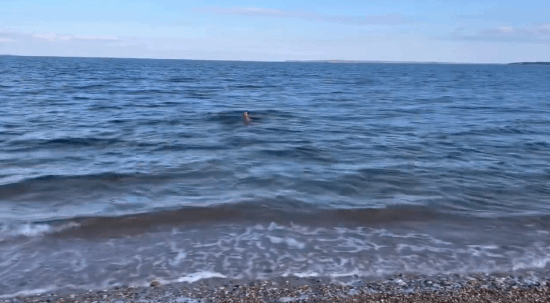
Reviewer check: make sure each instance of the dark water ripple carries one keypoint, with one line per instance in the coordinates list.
(90, 143)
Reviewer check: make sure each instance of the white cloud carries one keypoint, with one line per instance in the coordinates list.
(251, 11)
(343, 19)
(9, 35)
(542, 29)
(46, 36)
(504, 29)
(539, 33)
(53, 37)
(89, 38)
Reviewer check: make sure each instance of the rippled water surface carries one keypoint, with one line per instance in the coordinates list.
(119, 171)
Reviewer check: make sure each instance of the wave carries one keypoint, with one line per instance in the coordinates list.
(105, 143)
(249, 212)
(276, 210)
(57, 184)
(16, 145)
(180, 79)
(81, 141)
(34, 229)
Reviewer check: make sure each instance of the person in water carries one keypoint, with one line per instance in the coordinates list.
(246, 118)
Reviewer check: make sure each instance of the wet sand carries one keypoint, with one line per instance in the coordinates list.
(443, 288)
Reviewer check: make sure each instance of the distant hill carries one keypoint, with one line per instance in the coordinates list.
(531, 63)
(365, 61)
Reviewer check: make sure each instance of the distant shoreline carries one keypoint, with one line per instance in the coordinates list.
(530, 63)
(264, 61)
(293, 61)
(378, 62)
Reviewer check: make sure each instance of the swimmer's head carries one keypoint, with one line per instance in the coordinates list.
(246, 118)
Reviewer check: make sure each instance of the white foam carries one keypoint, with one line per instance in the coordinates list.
(194, 277)
(274, 226)
(345, 274)
(293, 299)
(291, 242)
(31, 230)
(275, 240)
(34, 229)
(307, 274)
(530, 264)
(188, 300)
(294, 243)
(32, 292)
(179, 257)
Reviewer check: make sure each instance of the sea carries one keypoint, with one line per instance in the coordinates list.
(125, 171)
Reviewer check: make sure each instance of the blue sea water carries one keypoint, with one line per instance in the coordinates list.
(119, 171)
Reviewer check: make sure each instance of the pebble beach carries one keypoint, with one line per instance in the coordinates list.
(525, 287)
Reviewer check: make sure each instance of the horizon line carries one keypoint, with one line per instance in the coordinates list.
(334, 61)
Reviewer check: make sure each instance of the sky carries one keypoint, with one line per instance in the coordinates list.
(465, 31)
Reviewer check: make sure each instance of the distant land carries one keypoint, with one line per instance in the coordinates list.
(531, 63)
(366, 61)
(296, 61)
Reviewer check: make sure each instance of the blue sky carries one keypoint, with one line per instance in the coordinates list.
(394, 30)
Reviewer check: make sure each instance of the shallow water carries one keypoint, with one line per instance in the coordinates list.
(119, 171)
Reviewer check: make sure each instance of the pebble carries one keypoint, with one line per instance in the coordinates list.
(400, 288)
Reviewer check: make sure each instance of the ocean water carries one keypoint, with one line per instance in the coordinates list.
(121, 171)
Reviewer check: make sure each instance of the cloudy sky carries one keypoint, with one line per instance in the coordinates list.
(394, 30)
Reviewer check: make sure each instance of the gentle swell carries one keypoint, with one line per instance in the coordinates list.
(258, 212)
(83, 182)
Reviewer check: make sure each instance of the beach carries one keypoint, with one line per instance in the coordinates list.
(527, 287)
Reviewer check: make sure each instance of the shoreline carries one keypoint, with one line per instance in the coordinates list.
(524, 287)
